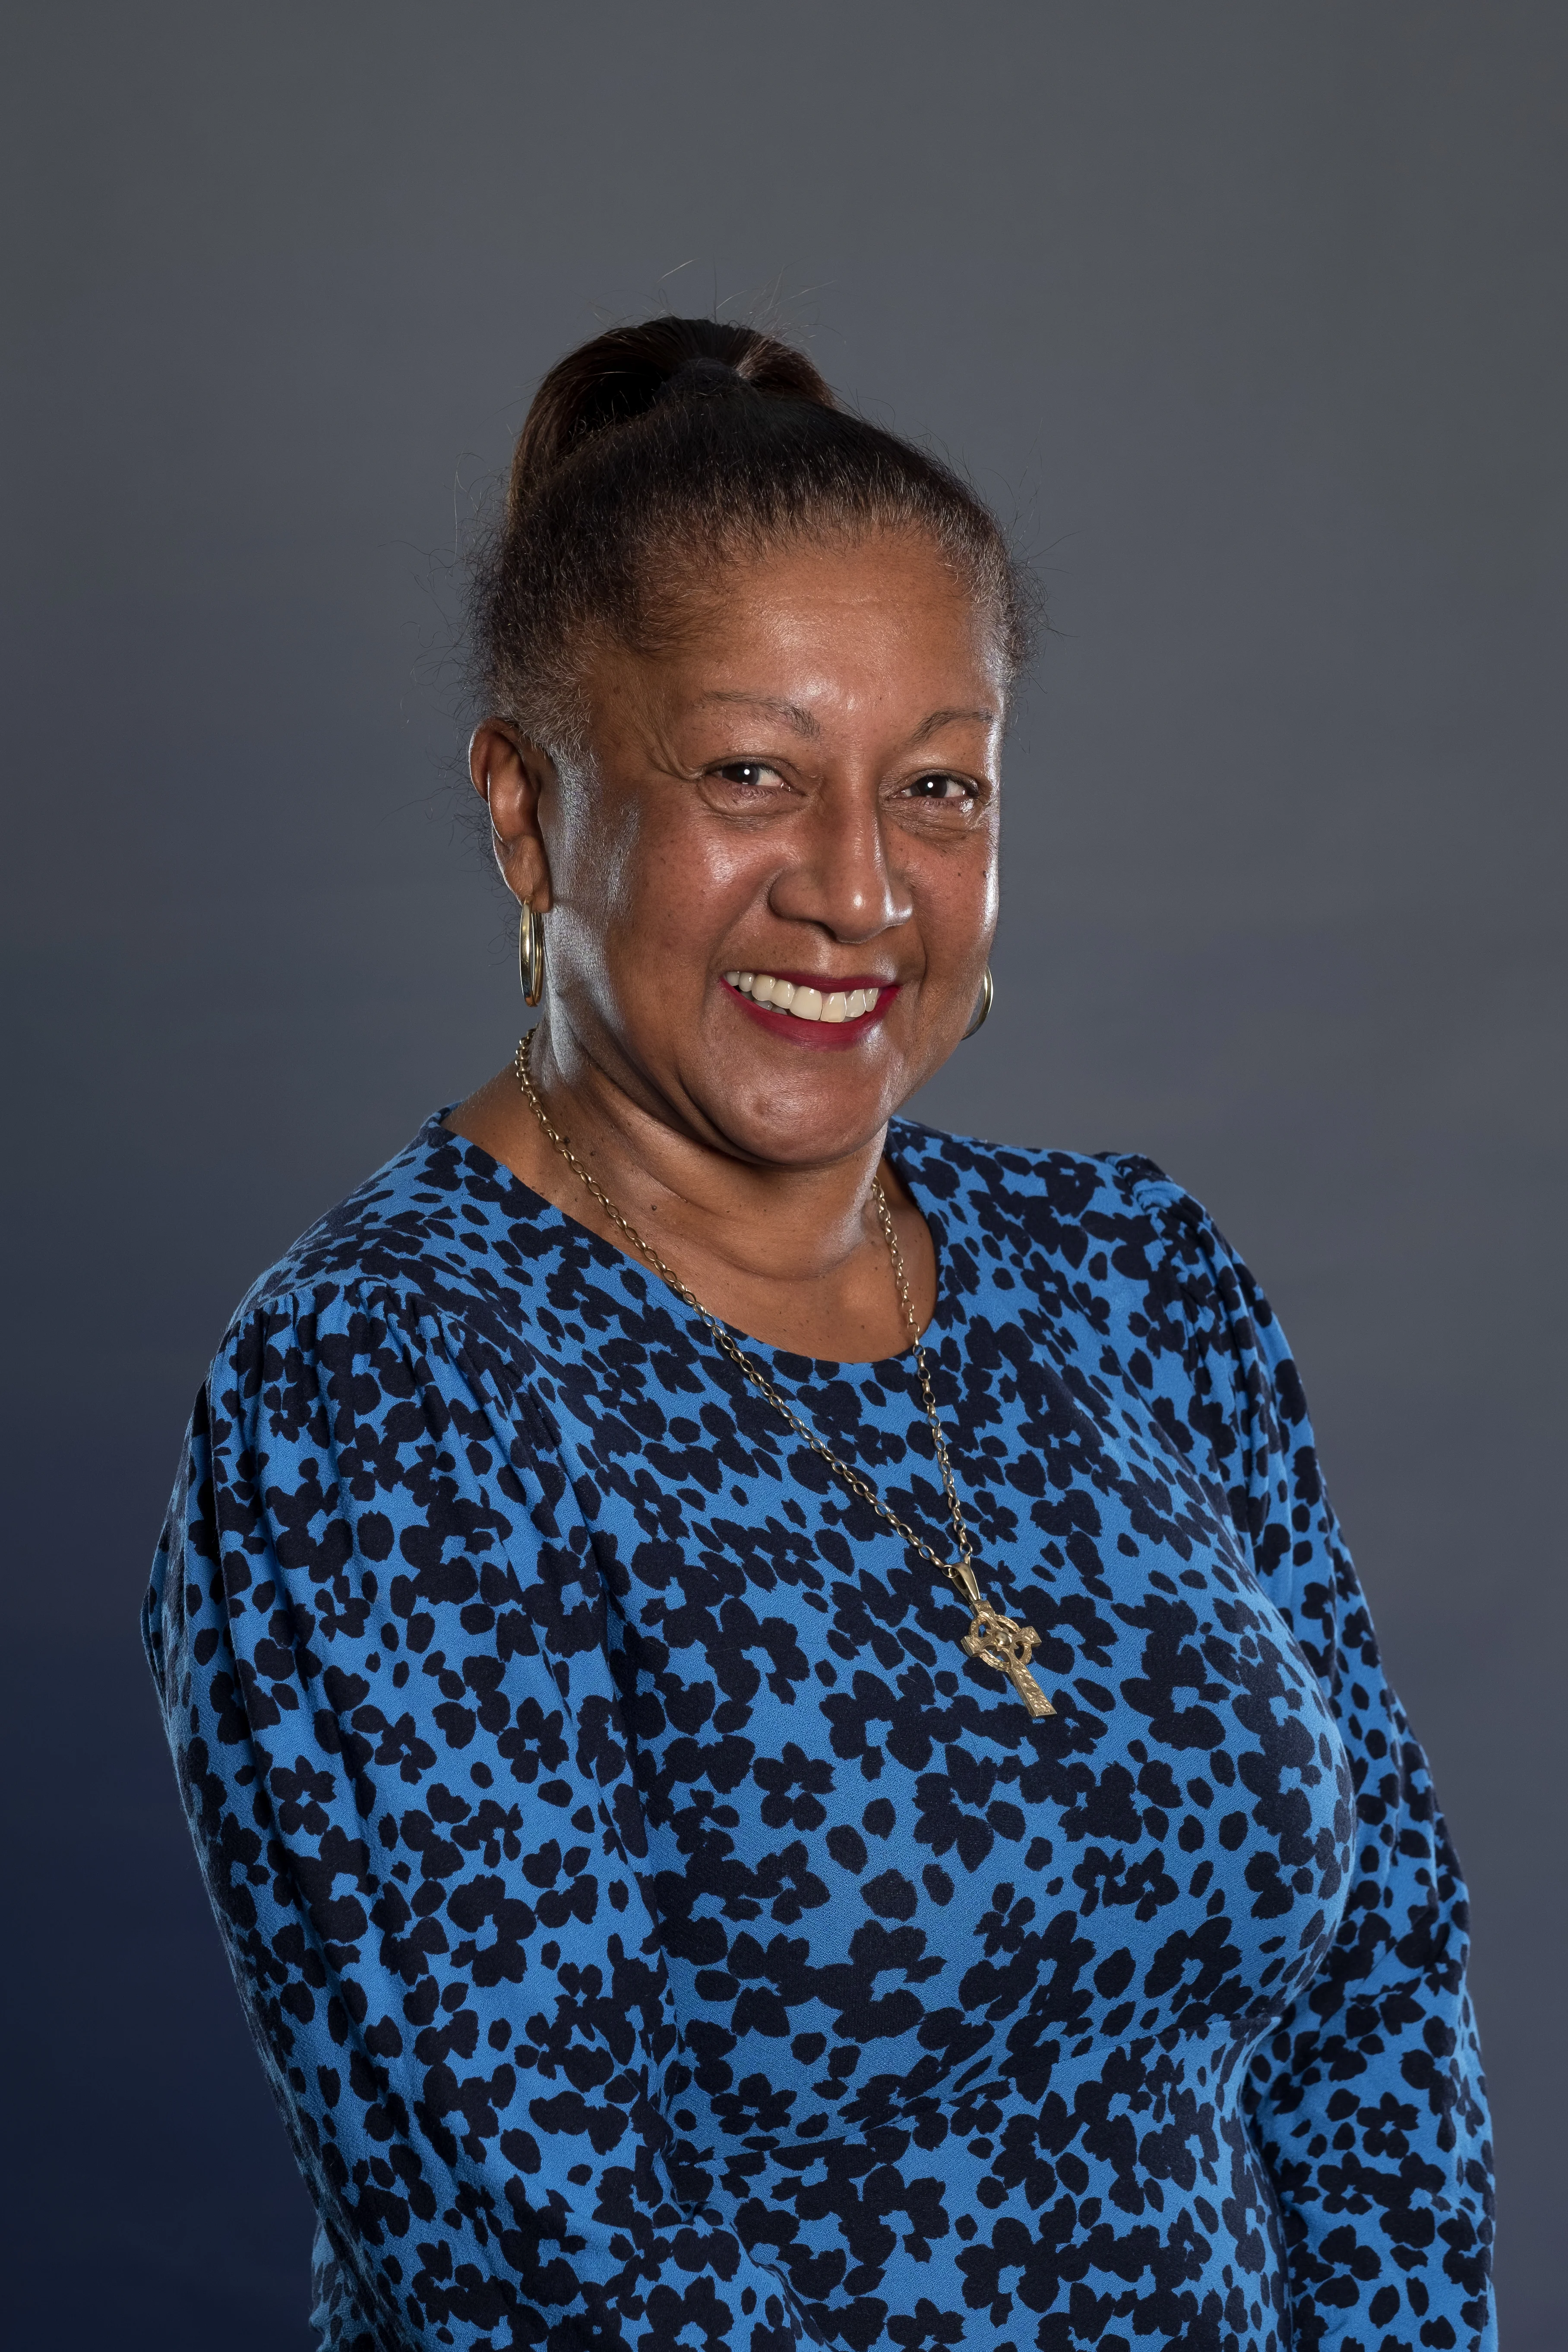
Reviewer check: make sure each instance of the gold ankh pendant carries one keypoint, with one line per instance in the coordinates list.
(1000, 1644)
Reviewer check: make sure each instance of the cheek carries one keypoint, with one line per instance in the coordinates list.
(991, 896)
(596, 861)
(616, 856)
(956, 896)
(693, 883)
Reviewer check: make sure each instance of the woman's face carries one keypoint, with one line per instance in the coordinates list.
(802, 792)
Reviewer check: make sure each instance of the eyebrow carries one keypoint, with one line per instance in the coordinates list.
(803, 723)
(790, 713)
(941, 718)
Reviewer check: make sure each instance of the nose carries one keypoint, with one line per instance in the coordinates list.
(839, 876)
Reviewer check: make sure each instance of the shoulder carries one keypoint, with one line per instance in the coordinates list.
(1115, 1215)
(440, 1231)
(1124, 1268)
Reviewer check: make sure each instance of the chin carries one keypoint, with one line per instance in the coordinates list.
(803, 1126)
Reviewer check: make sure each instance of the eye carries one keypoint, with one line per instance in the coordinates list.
(940, 787)
(751, 775)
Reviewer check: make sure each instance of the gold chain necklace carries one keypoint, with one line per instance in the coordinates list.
(996, 1641)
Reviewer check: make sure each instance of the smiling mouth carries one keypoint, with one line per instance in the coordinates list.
(805, 1003)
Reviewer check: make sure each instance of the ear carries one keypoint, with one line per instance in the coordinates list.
(512, 775)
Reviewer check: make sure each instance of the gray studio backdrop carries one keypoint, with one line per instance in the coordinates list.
(1251, 320)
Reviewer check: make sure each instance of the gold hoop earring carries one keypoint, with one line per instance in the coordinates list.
(531, 954)
(987, 999)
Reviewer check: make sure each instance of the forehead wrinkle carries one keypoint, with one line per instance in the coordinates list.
(790, 713)
(803, 723)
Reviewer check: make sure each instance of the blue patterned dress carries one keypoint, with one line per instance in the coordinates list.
(659, 1933)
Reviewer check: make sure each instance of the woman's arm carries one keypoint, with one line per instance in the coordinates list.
(378, 1630)
(1367, 2103)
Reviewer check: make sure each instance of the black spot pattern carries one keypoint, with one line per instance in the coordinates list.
(659, 1933)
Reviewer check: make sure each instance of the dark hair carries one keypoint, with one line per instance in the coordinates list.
(654, 448)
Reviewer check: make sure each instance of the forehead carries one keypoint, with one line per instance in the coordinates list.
(816, 619)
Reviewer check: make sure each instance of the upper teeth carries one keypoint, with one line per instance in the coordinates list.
(806, 1003)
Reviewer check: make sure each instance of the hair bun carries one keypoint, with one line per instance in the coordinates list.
(701, 379)
(623, 374)
(656, 454)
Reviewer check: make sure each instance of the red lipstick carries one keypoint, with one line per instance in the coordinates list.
(821, 1036)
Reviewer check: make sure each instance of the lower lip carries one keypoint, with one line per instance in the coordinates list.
(822, 1036)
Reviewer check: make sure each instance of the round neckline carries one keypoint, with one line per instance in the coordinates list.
(542, 1211)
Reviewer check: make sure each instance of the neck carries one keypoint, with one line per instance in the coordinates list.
(754, 1219)
(793, 1256)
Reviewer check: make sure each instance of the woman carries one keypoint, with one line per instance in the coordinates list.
(778, 1724)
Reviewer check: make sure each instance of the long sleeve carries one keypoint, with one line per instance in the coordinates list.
(1367, 2103)
(379, 1632)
